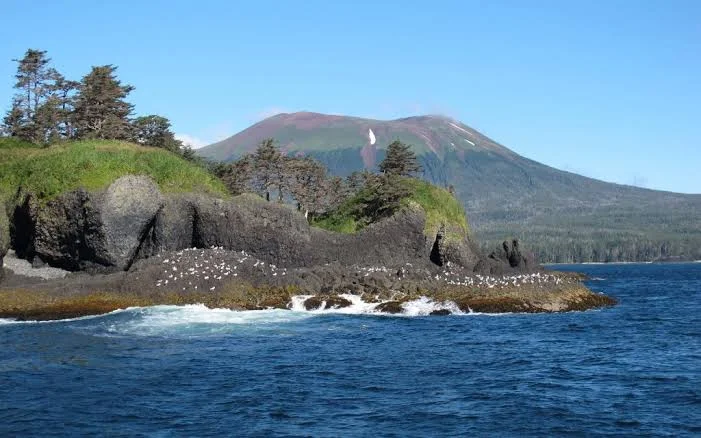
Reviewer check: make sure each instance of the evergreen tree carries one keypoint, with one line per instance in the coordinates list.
(357, 180)
(64, 91)
(237, 175)
(33, 115)
(267, 163)
(400, 160)
(13, 123)
(155, 131)
(306, 179)
(380, 198)
(100, 109)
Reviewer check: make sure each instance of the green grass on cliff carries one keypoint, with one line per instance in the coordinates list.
(438, 204)
(93, 165)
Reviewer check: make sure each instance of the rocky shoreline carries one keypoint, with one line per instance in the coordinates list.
(132, 246)
(220, 278)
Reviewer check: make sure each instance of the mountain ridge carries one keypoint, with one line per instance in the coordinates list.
(563, 215)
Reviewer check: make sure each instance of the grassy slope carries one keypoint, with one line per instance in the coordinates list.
(93, 165)
(439, 205)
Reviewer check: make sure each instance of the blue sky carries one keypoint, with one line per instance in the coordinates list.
(609, 89)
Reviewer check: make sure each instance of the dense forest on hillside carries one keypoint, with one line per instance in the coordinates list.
(610, 223)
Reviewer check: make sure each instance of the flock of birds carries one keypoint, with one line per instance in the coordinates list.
(488, 281)
(211, 265)
(191, 268)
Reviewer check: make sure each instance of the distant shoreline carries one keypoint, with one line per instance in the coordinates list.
(675, 262)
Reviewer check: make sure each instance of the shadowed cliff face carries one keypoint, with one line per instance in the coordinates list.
(4, 236)
(108, 231)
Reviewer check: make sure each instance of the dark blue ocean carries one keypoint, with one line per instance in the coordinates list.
(634, 369)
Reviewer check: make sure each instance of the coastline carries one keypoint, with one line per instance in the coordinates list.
(223, 279)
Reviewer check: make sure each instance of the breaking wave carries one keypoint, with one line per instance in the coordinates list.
(197, 319)
(421, 307)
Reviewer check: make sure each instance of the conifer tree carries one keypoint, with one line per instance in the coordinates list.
(155, 131)
(266, 163)
(237, 175)
(400, 160)
(64, 91)
(306, 179)
(34, 112)
(100, 109)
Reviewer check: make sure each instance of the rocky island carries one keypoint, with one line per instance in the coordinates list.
(139, 238)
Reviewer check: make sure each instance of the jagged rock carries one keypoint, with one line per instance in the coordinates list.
(4, 236)
(131, 220)
(328, 301)
(173, 227)
(390, 307)
(394, 241)
(507, 258)
(451, 245)
(269, 231)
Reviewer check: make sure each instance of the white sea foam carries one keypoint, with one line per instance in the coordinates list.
(197, 318)
(424, 306)
(420, 307)
(357, 307)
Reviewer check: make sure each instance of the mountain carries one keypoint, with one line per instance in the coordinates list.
(562, 216)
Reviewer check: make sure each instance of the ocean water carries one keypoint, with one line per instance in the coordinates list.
(634, 369)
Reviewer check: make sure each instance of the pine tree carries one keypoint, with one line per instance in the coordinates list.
(267, 161)
(155, 131)
(100, 109)
(237, 175)
(33, 116)
(400, 160)
(306, 179)
(13, 122)
(64, 91)
(380, 198)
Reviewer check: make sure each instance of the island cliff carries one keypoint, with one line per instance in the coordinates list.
(131, 244)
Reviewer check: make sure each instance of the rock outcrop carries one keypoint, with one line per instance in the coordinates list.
(4, 236)
(131, 220)
(88, 231)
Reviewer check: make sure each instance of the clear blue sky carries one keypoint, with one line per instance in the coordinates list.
(610, 89)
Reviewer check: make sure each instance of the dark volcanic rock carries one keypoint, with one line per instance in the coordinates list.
(173, 227)
(60, 233)
(393, 307)
(271, 232)
(328, 302)
(127, 211)
(4, 236)
(507, 259)
(109, 230)
(394, 241)
(94, 231)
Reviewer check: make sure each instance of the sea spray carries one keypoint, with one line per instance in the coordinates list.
(422, 306)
